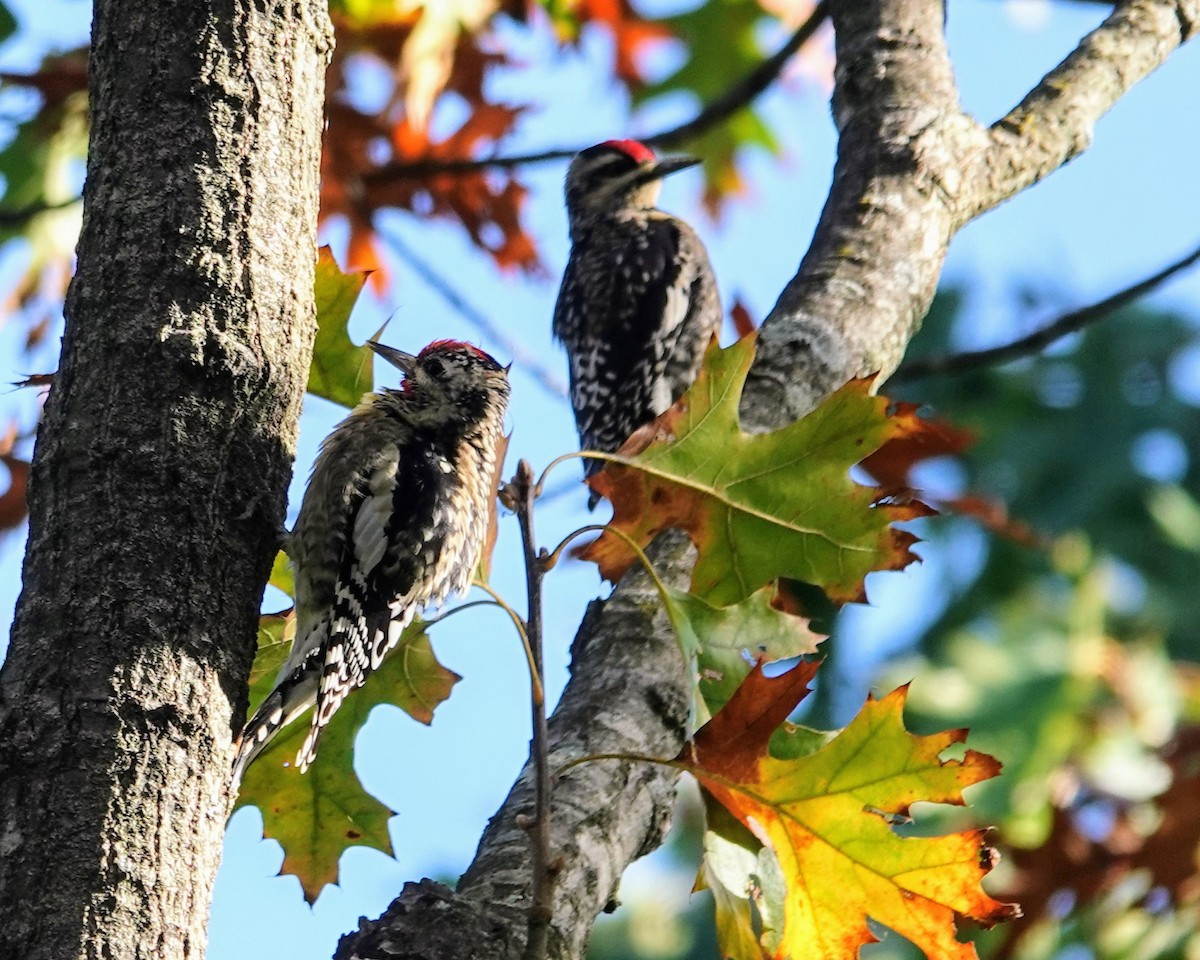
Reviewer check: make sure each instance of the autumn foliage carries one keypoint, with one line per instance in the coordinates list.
(827, 819)
(814, 840)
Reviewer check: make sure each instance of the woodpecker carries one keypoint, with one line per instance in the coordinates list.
(638, 303)
(393, 520)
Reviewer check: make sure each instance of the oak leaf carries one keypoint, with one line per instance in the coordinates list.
(761, 506)
(341, 371)
(39, 169)
(892, 467)
(14, 506)
(721, 43)
(826, 816)
(726, 642)
(633, 36)
(925, 438)
(315, 816)
(384, 157)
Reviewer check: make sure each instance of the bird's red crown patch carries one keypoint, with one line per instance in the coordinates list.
(634, 149)
(453, 345)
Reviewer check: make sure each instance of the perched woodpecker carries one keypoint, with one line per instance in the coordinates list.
(638, 303)
(393, 519)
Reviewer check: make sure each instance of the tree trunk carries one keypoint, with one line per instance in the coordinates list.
(160, 475)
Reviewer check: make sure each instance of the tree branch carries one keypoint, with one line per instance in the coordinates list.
(872, 267)
(1068, 323)
(1057, 120)
(897, 199)
(10, 219)
(712, 114)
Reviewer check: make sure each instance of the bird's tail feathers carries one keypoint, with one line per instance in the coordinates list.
(290, 698)
(360, 639)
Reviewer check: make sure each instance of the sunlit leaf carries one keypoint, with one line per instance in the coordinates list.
(726, 642)
(363, 150)
(41, 168)
(827, 818)
(760, 506)
(283, 577)
(721, 42)
(633, 36)
(341, 371)
(315, 816)
(732, 869)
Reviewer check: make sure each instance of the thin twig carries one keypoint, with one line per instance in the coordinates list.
(1039, 339)
(523, 358)
(737, 96)
(540, 912)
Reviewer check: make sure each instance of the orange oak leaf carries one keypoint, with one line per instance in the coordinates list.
(632, 35)
(741, 318)
(57, 79)
(926, 438)
(923, 439)
(372, 158)
(827, 817)
(14, 506)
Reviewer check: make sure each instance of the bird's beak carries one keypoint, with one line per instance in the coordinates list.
(666, 166)
(397, 358)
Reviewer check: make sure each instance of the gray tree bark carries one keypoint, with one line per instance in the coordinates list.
(912, 169)
(160, 473)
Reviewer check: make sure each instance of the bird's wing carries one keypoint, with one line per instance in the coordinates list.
(636, 312)
(383, 565)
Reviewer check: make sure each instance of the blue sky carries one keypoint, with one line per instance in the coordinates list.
(1117, 213)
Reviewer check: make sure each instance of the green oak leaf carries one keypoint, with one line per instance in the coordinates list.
(757, 506)
(726, 642)
(316, 816)
(340, 371)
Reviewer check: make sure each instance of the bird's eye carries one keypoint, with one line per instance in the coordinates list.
(436, 368)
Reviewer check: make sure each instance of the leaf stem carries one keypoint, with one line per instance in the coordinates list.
(576, 455)
(551, 559)
(644, 560)
(530, 657)
(459, 609)
(524, 492)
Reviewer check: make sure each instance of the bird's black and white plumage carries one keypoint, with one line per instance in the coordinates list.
(393, 519)
(638, 303)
